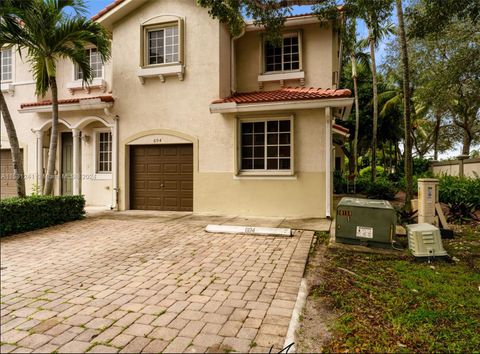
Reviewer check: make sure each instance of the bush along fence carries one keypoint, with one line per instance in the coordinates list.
(35, 212)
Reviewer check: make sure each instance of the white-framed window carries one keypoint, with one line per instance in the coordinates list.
(103, 142)
(162, 45)
(266, 146)
(96, 65)
(283, 57)
(6, 62)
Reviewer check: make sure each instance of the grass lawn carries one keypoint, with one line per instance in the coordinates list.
(365, 302)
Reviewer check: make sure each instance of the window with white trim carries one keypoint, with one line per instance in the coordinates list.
(6, 62)
(284, 57)
(266, 145)
(96, 65)
(162, 45)
(104, 152)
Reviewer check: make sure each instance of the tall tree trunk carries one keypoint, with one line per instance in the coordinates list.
(357, 112)
(17, 161)
(52, 151)
(436, 135)
(467, 142)
(371, 40)
(406, 104)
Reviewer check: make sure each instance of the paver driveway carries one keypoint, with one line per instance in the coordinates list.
(127, 283)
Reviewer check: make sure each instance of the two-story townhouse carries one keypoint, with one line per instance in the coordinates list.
(184, 117)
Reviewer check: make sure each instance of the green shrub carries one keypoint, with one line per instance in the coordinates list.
(381, 189)
(455, 190)
(367, 171)
(35, 212)
(339, 182)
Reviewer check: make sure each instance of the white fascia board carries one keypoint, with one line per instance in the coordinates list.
(340, 132)
(232, 107)
(67, 107)
(289, 22)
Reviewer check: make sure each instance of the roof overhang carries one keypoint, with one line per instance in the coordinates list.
(289, 22)
(339, 130)
(344, 104)
(82, 105)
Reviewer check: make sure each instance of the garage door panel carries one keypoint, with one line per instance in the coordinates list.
(170, 186)
(154, 168)
(163, 176)
(8, 184)
(154, 185)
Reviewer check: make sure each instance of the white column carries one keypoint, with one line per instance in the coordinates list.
(39, 134)
(115, 155)
(328, 162)
(76, 161)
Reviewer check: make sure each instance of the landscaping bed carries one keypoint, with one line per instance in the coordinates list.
(368, 302)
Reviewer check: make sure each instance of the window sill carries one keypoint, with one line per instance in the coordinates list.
(161, 72)
(282, 77)
(103, 176)
(8, 86)
(271, 177)
(77, 85)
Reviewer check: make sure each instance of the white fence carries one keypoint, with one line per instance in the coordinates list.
(471, 167)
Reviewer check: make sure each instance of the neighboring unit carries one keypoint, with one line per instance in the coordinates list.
(186, 118)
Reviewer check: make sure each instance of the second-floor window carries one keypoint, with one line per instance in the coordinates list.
(162, 45)
(6, 64)
(96, 65)
(283, 57)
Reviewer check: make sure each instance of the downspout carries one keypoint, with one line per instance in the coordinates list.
(328, 162)
(233, 62)
(115, 167)
(115, 159)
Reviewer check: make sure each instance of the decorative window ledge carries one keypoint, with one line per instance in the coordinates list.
(272, 177)
(282, 77)
(8, 87)
(77, 85)
(161, 72)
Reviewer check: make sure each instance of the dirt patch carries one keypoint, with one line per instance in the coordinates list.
(313, 333)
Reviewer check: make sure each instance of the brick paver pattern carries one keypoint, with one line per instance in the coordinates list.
(112, 285)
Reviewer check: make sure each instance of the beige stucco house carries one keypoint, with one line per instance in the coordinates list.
(184, 117)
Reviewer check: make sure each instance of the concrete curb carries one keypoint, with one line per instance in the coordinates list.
(295, 320)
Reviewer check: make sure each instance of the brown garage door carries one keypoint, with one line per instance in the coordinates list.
(161, 177)
(8, 186)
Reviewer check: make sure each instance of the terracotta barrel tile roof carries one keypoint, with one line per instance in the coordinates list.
(107, 9)
(285, 94)
(339, 127)
(67, 101)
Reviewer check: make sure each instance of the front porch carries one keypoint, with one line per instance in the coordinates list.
(87, 148)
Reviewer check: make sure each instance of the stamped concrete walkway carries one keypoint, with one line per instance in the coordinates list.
(148, 282)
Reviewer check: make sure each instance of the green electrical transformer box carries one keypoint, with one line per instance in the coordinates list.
(367, 222)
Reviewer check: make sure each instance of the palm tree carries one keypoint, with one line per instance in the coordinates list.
(406, 105)
(357, 56)
(50, 33)
(374, 13)
(9, 9)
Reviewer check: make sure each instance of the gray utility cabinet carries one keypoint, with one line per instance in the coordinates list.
(367, 222)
